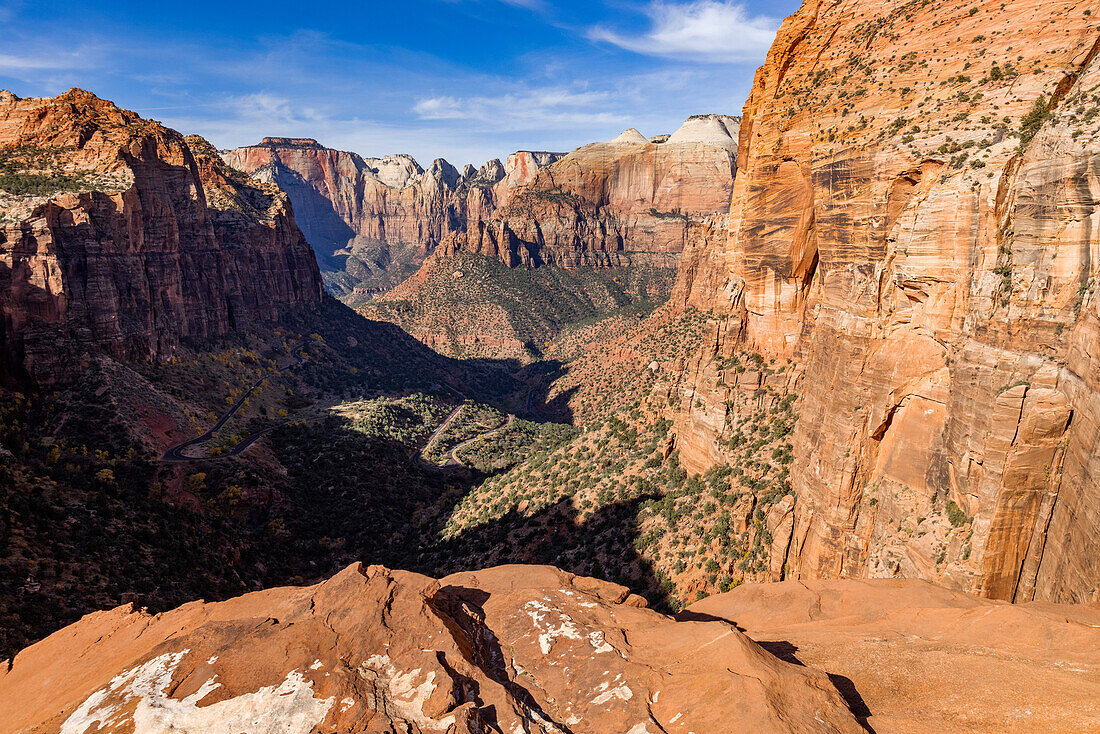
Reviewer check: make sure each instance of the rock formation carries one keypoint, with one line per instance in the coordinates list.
(628, 201)
(509, 649)
(373, 220)
(118, 233)
(623, 208)
(914, 222)
(913, 657)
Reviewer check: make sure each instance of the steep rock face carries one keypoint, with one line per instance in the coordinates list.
(914, 222)
(118, 233)
(913, 657)
(627, 201)
(372, 220)
(512, 649)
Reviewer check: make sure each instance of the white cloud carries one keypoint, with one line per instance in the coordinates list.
(703, 30)
(10, 61)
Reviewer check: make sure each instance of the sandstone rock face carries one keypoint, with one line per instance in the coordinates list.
(624, 202)
(143, 238)
(913, 657)
(372, 220)
(914, 222)
(510, 649)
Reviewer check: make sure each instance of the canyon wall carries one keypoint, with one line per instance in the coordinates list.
(628, 201)
(121, 234)
(610, 218)
(914, 222)
(373, 220)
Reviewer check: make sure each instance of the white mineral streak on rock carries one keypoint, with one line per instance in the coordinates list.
(404, 694)
(539, 614)
(286, 708)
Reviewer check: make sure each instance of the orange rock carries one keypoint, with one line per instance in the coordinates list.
(910, 223)
(508, 649)
(380, 213)
(913, 657)
(624, 202)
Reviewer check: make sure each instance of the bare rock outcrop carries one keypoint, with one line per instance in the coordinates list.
(914, 223)
(509, 649)
(913, 657)
(117, 233)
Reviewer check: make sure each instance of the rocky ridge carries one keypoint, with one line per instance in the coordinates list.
(912, 223)
(117, 233)
(534, 649)
(615, 214)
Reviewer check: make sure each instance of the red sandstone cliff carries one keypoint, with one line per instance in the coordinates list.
(914, 222)
(625, 208)
(118, 233)
(372, 220)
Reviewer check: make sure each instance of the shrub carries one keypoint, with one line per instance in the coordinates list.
(1034, 120)
(955, 515)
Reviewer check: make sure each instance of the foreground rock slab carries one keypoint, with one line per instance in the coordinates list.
(511, 649)
(918, 658)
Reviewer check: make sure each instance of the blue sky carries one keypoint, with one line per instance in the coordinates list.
(467, 80)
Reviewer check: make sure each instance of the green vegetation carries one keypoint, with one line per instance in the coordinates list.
(517, 443)
(1009, 386)
(956, 516)
(1040, 112)
(515, 312)
(42, 184)
(674, 214)
(36, 171)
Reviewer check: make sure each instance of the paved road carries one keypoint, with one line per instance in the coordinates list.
(439, 432)
(452, 457)
(175, 453)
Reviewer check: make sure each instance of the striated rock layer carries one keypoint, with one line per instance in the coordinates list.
(609, 218)
(121, 234)
(914, 221)
(624, 202)
(627, 201)
(373, 220)
(509, 649)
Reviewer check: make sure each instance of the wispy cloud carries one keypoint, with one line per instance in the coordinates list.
(543, 86)
(11, 62)
(542, 108)
(703, 30)
(529, 4)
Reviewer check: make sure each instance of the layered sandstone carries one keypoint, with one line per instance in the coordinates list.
(509, 649)
(914, 221)
(912, 657)
(138, 239)
(628, 201)
(373, 220)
